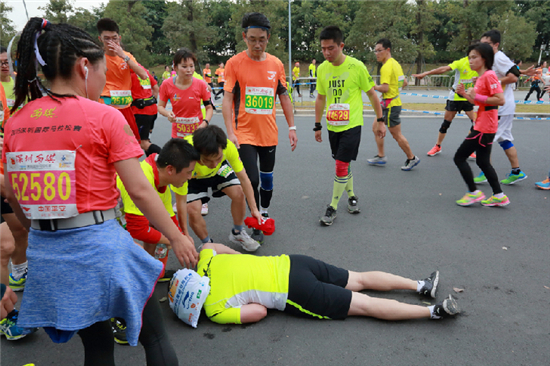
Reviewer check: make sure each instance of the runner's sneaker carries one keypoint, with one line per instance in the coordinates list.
(257, 235)
(430, 285)
(472, 156)
(445, 309)
(204, 209)
(470, 198)
(378, 160)
(175, 208)
(244, 240)
(311, 96)
(168, 274)
(513, 178)
(329, 217)
(434, 151)
(494, 201)
(352, 205)
(410, 163)
(119, 330)
(9, 328)
(18, 285)
(480, 178)
(545, 184)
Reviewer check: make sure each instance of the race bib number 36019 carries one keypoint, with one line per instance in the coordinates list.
(44, 183)
(259, 100)
(338, 114)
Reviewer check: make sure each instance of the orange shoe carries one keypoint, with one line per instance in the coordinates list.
(473, 156)
(434, 151)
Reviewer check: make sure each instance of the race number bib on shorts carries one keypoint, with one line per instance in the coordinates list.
(186, 126)
(259, 100)
(338, 114)
(121, 97)
(44, 183)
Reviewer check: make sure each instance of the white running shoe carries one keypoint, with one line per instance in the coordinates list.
(244, 240)
(204, 209)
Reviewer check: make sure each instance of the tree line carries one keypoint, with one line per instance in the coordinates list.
(421, 31)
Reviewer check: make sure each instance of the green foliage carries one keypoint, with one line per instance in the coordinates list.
(87, 20)
(156, 12)
(7, 31)
(518, 35)
(134, 30)
(58, 11)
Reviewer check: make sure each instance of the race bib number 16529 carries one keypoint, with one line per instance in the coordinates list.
(44, 183)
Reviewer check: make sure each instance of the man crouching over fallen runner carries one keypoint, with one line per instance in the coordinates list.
(243, 287)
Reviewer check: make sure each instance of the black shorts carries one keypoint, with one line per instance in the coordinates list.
(145, 123)
(5, 209)
(345, 144)
(392, 116)
(317, 289)
(224, 178)
(459, 105)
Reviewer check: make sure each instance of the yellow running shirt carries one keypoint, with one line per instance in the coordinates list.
(464, 75)
(230, 153)
(240, 279)
(391, 73)
(342, 87)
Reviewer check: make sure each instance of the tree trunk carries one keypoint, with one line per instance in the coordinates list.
(420, 38)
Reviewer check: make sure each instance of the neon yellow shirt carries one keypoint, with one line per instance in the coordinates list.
(230, 153)
(464, 75)
(312, 70)
(240, 279)
(151, 173)
(10, 93)
(295, 72)
(165, 75)
(391, 73)
(342, 87)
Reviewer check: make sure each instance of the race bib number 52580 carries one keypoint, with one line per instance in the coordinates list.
(44, 183)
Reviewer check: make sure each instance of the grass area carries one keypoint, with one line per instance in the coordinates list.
(440, 107)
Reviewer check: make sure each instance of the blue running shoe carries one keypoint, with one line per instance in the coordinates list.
(545, 184)
(18, 285)
(480, 178)
(9, 328)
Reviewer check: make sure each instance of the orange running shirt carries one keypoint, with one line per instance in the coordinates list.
(207, 74)
(64, 154)
(221, 75)
(255, 85)
(118, 82)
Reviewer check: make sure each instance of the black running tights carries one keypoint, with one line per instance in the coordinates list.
(480, 143)
(249, 155)
(99, 343)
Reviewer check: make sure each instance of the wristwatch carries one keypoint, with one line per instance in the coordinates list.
(126, 58)
(381, 119)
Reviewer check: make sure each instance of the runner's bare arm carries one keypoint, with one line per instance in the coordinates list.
(384, 88)
(219, 248)
(115, 47)
(375, 102)
(320, 103)
(227, 113)
(156, 91)
(438, 71)
(252, 313)
(148, 202)
(249, 194)
(12, 200)
(164, 112)
(286, 104)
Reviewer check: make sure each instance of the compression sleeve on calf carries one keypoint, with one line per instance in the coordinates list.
(341, 168)
(140, 229)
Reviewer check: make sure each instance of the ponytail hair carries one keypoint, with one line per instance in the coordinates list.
(56, 50)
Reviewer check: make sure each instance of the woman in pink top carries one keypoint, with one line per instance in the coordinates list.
(185, 93)
(487, 95)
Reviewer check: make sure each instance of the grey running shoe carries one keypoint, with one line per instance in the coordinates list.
(430, 285)
(257, 235)
(244, 240)
(445, 309)
(378, 160)
(410, 163)
(329, 217)
(352, 205)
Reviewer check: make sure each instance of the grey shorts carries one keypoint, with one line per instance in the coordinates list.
(394, 114)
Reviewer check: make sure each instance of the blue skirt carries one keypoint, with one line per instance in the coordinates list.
(82, 276)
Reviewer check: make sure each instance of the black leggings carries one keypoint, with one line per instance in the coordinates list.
(249, 155)
(99, 343)
(480, 143)
(534, 88)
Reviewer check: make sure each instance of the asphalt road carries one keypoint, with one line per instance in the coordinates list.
(409, 225)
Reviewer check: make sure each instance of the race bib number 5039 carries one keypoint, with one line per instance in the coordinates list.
(44, 183)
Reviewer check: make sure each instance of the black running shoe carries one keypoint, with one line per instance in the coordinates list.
(258, 235)
(447, 308)
(430, 285)
(329, 217)
(119, 330)
(168, 274)
(352, 205)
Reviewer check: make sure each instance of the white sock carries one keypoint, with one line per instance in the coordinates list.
(18, 270)
(499, 195)
(419, 285)
(263, 210)
(432, 315)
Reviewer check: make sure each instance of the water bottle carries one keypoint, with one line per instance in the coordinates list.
(160, 251)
